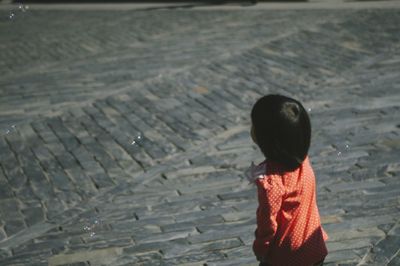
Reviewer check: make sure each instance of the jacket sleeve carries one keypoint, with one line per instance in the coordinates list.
(270, 200)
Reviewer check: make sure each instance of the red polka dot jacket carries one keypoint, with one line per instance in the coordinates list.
(289, 228)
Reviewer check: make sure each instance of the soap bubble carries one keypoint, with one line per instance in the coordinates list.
(86, 228)
(342, 148)
(10, 129)
(91, 226)
(137, 139)
(21, 8)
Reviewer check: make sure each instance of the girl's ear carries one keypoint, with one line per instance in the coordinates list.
(253, 135)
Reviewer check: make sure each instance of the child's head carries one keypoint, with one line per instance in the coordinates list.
(281, 128)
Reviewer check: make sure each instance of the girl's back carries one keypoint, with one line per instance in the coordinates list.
(299, 239)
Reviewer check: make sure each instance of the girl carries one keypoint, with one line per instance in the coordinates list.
(289, 229)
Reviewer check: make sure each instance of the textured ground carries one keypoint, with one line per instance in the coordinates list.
(124, 133)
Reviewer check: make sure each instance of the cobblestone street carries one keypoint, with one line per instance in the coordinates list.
(125, 133)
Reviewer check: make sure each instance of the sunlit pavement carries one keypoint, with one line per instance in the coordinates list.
(124, 132)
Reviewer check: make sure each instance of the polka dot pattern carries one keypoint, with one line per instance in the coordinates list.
(289, 228)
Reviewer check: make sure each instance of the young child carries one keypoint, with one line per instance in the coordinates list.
(289, 229)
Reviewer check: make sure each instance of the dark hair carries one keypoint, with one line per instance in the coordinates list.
(282, 129)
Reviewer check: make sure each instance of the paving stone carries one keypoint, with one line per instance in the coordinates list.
(93, 256)
(351, 244)
(192, 216)
(2, 235)
(61, 180)
(131, 228)
(37, 248)
(246, 194)
(13, 226)
(33, 215)
(378, 210)
(142, 248)
(190, 171)
(194, 259)
(342, 256)
(162, 237)
(359, 185)
(223, 232)
(9, 206)
(185, 225)
(54, 207)
(170, 252)
(343, 235)
(67, 160)
(24, 259)
(237, 216)
(86, 186)
(169, 209)
(240, 252)
(101, 180)
(361, 222)
(16, 178)
(395, 260)
(385, 250)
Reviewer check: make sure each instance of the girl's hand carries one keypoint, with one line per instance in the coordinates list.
(255, 171)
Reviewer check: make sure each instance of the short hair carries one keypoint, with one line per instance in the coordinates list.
(282, 129)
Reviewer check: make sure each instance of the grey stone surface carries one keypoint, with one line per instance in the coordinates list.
(78, 186)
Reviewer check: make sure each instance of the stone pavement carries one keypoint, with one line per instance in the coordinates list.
(125, 133)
